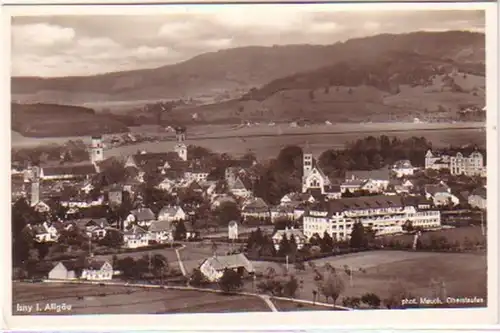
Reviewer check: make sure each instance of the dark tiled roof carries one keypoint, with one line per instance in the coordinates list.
(381, 174)
(416, 201)
(481, 191)
(95, 264)
(143, 214)
(432, 189)
(69, 169)
(360, 203)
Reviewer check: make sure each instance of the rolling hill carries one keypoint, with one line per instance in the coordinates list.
(393, 86)
(217, 73)
(50, 120)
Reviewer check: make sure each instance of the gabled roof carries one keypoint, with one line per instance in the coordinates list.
(332, 188)
(380, 174)
(95, 264)
(433, 189)
(69, 169)
(159, 226)
(169, 211)
(256, 204)
(354, 183)
(136, 230)
(238, 184)
(402, 164)
(220, 263)
(143, 214)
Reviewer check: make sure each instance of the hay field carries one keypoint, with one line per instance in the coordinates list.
(95, 299)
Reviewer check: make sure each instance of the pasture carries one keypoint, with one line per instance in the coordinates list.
(464, 274)
(266, 141)
(94, 299)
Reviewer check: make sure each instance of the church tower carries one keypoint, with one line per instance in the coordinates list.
(96, 149)
(307, 164)
(35, 186)
(180, 147)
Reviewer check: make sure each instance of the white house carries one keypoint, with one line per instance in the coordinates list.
(436, 161)
(97, 270)
(402, 168)
(64, 270)
(172, 213)
(213, 268)
(43, 233)
(166, 185)
(142, 216)
(162, 231)
(135, 237)
(239, 189)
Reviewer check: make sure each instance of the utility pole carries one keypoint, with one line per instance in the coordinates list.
(286, 257)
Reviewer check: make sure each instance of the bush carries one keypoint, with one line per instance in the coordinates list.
(371, 299)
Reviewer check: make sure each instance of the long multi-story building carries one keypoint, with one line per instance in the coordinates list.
(382, 213)
(468, 166)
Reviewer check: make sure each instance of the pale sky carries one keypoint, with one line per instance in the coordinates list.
(84, 45)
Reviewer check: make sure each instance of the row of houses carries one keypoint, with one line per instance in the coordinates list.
(472, 165)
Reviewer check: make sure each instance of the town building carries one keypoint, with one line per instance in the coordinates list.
(477, 199)
(97, 270)
(402, 168)
(256, 208)
(374, 181)
(162, 231)
(468, 166)
(141, 216)
(436, 161)
(337, 217)
(172, 213)
(213, 268)
(289, 233)
(440, 194)
(180, 147)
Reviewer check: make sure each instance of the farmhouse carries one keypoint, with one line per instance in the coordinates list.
(337, 217)
(240, 188)
(65, 270)
(296, 198)
(213, 268)
(289, 233)
(135, 237)
(97, 270)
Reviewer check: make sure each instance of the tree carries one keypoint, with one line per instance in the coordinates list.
(197, 278)
(230, 280)
(397, 292)
(112, 239)
(291, 286)
(326, 243)
(284, 246)
(180, 231)
(358, 239)
(408, 226)
(331, 286)
(226, 212)
(159, 264)
(371, 299)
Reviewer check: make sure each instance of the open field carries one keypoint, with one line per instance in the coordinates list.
(94, 299)
(239, 141)
(464, 274)
(472, 233)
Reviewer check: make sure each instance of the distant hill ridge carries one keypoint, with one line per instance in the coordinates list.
(247, 67)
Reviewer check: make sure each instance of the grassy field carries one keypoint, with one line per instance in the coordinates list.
(92, 299)
(375, 272)
(473, 233)
(286, 306)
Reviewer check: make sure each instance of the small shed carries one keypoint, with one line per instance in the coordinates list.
(232, 229)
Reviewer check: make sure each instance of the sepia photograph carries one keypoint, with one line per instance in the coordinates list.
(310, 159)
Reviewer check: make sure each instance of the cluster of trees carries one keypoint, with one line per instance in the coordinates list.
(153, 266)
(281, 285)
(434, 243)
(71, 151)
(260, 245)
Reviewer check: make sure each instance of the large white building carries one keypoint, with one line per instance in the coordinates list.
(382, 213)
(473, 165)
(468, 166)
